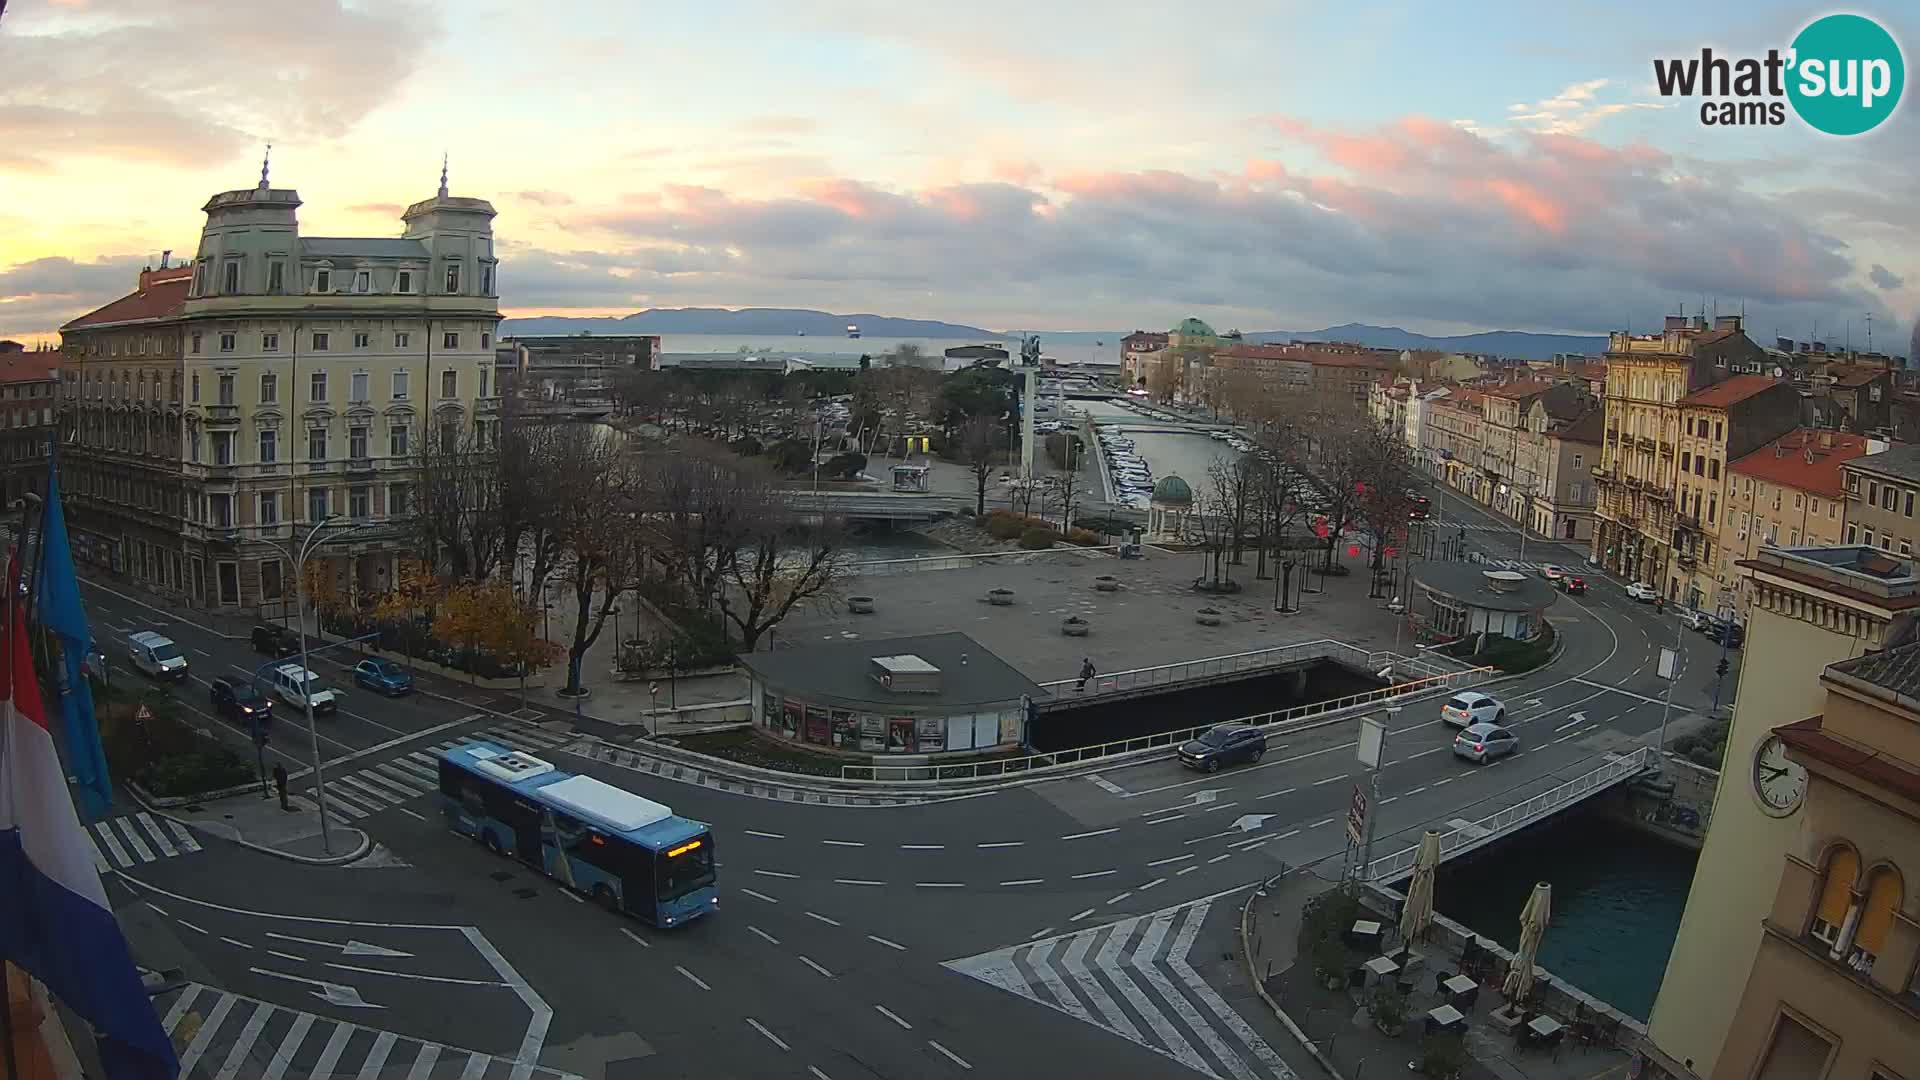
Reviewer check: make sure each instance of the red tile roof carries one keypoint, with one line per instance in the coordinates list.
(1524, 388)
(162, 296)
(1854, 376)
(1320, 359)
(36, 366)
(1732, 391)
(1784, 461)
(1808, 738)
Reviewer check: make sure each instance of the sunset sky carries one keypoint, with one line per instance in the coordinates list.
(1063, 164)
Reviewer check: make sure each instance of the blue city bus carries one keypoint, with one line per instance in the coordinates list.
(627, 853)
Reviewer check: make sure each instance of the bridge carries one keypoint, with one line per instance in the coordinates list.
(878, 505)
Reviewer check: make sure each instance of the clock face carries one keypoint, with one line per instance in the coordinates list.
(1780, 781)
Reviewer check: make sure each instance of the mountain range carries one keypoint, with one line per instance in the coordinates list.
(756, 322)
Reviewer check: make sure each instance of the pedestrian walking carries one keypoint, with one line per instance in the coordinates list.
(1086, 672)
(280, 784)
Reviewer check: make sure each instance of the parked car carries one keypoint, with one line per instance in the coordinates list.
(278, 642)
(1552, 572)
(1725, 632)
(238, 699)
(1471, 707)
(383, 675)
(1223, 745)
(296, 685)
(157, 655)
(1641, 591)
(1573, 586)
(1697, 619)
(1483, 742)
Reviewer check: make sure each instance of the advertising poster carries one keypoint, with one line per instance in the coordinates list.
(933, 733)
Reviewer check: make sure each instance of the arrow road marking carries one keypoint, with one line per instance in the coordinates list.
(1205, 796)
(331, 993)
(1574, 721)
(1250, 822)
(1531, 703)
(351, 948)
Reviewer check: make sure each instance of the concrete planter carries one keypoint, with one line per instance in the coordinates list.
(1074, 626)
(1207, 616)
(1106, 583)
(1000, 597)
(860, 605)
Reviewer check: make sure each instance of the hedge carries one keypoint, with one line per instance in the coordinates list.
(1038, 538)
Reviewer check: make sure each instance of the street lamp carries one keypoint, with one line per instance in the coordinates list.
(314, 540)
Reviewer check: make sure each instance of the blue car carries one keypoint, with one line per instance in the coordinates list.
(383, 675)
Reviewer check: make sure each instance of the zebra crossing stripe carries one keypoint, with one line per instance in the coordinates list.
(1143, 961)
(1213, 1001)
(99, 857)
(289, 1046)
(341, 806)
(401, 767)
(157, 834)
(1075, 959)
(362, 792)
(380, 781)
(406, 779)
(182, 835)
(423, 1062)
(476, 1066)
(377, 1057)
(1037, 959)
(331, 1055)
(133, 838)
(180, 1006)
(104, 832)
(230, 1068)
(204, 1038)
(1181, 1050)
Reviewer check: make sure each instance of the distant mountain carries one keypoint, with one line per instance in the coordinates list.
(1518, 343)
(744, 322)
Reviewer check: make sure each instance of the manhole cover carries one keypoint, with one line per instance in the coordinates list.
(525, 894)
(501, 875)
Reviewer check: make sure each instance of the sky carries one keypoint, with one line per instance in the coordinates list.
(1045, 164)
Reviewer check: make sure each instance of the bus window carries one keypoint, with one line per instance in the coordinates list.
(686, 866)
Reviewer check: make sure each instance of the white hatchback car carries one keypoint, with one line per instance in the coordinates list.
(1472, 707)
(1641, 591)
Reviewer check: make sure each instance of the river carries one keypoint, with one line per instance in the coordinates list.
(1166, 453)
(1618, 894)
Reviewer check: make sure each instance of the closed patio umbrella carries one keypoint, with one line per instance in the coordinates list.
(1417, 913)
(1533, 925)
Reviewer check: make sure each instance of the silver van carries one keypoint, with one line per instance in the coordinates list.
(157, 655)
(293, 684)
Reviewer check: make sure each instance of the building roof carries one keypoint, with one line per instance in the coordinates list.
(1323, 359)
(1518, 390)
(362, 247)
(1147, 337)
(1808, 738)
(161, 296)
(841, 673)
(1731, 391)
(1850, 375)
(1192, 327)
(1586, 429)
(1469, 584)
(1805, 460)
(36, 366)
(1900, 461)
(1172, 489)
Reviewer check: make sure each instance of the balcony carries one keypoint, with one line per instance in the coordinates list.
(1687, 521)
(1685, 559)
(1613, 435)
(270, 468)
(222, 415)
(1666, 449)
(361, 465)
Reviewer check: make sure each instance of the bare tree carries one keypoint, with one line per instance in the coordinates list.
(596, 521)
(1220, 514)
(694, 518)
(908, 355)
(1165, 377)
(457, 514)
(1068, 484)
(976, 449)
(781, 558)
(1384, 468)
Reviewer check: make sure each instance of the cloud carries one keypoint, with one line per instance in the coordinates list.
(39, 295)
(384, 209)
(1576, 109)
(544, 198)
(1885, 278)
(182, 84)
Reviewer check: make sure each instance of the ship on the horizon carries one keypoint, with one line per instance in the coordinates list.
(853, 330)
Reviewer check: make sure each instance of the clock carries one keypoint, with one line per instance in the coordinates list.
(1779, 781)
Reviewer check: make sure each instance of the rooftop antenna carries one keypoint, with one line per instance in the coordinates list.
(443, 174)
(266, 159)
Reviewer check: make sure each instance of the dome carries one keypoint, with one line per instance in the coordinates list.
(1173, 490)
(1191, 327)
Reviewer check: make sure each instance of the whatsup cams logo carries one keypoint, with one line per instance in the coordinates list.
(1842, 75)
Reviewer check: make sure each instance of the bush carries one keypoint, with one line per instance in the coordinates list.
(700, 640)
(1326, 918)
(211, 768)
(1083, 537)
(1006, 528)
(1388, 1007)
(1038, 539)
(847, 466)
(414, 638)
(1106, 526)
(1513, 656)
(747, 446)
(791, 455)
(1444, 1057)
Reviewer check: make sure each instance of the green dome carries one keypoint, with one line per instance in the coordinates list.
(1191, 327)
(1171, 489)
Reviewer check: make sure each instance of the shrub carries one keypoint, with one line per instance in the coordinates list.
(211, 768)
(1006, 528)
(747, 446)
(1083, 537)
(1388, 1008)
(791, 455)
(1327, 917)
(846, 466)
(1444, 1057)
(1107, 526)
(1038, 539)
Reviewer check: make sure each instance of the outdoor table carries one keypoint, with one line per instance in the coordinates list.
(1545, 1027)
(1380, 967)
(1444, 1018)
(1460, 984)
(1365, 933)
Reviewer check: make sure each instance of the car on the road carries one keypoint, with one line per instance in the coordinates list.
(238, 699)
(276, 641)
(157, 655)
(1483, 742)
(1726, 632)
(1552, 572)
(1470, 707)
(1573, 586)
(383, 675)
(300, 687)
(1641, 591)
(1223, 745)
(1697, 619)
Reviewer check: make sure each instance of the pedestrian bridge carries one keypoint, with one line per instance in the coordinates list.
(1461, 836)
(877, 505)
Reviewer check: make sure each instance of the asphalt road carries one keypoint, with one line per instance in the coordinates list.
(1077, 927)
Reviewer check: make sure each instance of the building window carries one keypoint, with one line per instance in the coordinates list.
(276, 276)
(269, 446)
(226, 342)
(269, 342)
(1883, 894)
(483, 381)
(399, 500)
(403, 283)
(1686, 461)
(272, 578)
(362, 339)
(317, 387)
(1889, 497)
(1719, 430)
(1713, 468)
(1713, 507)
(222, 447)
(319, 342)
(269, 508)
(450, 339)
(323, 281)
(220, 508)
(193, 343)
(269, 388)
(362, 281)
(1909, 511)
(486, 279)
(1873, 491)
(449, 436)
(357, 387)
(1853, 533)
(317, 444)
(359, 503)
(200, 277)
(1853, 479)
(357, 443)
(1867, 537)
(1813, 507)
(449, 383)
(195, 399)
(1576, 461)
(402, 340)
(400, 385)
(453, 279)
(397, 440)
(230, 281)
(316, 504)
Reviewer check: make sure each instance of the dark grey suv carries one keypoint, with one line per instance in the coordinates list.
(1227, 744)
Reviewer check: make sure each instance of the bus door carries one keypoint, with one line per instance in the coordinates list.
(637, 880)
(526, 832)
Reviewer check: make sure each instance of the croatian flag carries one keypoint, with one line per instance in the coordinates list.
(54, 919)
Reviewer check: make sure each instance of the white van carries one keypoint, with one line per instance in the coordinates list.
(293, 683)
(157, 655)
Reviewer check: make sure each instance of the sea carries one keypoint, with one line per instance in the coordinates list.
(846, 352)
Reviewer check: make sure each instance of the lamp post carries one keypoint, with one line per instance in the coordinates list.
(314, 540)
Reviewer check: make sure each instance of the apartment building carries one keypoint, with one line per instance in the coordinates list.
(1811, 607)
(1640, 528)
(1718, 424)
(28, 382)
(1137, 353)
(1881, 489)
(1831, 990)
(1555, 460)
(1788, 493)
(301, 377)
(1504, 407)
(1451, 439)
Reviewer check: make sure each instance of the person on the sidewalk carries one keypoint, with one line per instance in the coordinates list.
(1086, 672)
(280, 784)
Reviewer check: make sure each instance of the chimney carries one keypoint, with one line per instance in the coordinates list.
(1728, 322)
(1676, 322)
(166, 257)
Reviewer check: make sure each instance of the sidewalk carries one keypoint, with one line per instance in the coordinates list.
(1338, 1026)
(258, 822)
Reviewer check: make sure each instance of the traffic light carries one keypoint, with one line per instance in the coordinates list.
(261, 725)
(1720, 668)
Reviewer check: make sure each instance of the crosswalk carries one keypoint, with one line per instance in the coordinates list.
(409, 776)
(131, 839)
(224, 1036)
(1132, 978)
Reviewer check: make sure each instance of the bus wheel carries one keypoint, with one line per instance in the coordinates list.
(605, 898)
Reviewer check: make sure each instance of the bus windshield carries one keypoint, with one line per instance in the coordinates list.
(686, 866)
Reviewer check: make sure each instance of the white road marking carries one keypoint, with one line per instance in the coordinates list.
(1423, 753)
(1330, 780)
(1151, 884)
(1217, 858)
(1418, 790)
(409, 813)
(1094, 874)
(1164, 820)
(760, 896)
(763, 935)
(1277, 794)
(923, 847)
(1084, 835)
(843, 843)
(1447, 780)
(817, 1074)
(771, 1037)
(1171, 859)
(1249, 845)
(237, 944)
(1025, 881)
(1322, 821)
(856, 881)
(691, 977)
(950, 1055)
(1564, 738)
(1001, 844)
(764, 835)
(889, 944)
(573, 896)
(776, 873)
(190, 926)
(893, 1016)
(1082, 915)
(939, 884)
(1218, 806)
(287, 956)
(823, 971)
(636, 938)
(1040, 933)
(822, 918)
(1187, 871)
(156, 907)
(1119, 898)
(1289, 832)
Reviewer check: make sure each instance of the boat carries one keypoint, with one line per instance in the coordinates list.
(853, 330)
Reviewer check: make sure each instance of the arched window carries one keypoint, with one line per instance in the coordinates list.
(1836, 895)
(1883, 894)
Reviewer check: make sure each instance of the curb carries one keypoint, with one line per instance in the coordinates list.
(1246, 958)
(359, 852)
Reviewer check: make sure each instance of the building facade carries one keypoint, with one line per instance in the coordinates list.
(1811, 607)
(304, 378)
(1137, 353)
(1718, 424)
(1788, 493)
(558, 366)
(29, 380)
(1557, 451)
(1881, 490)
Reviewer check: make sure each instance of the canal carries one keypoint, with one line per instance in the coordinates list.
(1618, 894)
(1187, 456)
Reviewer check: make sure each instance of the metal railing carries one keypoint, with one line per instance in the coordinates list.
(1479, 833)
(886, 567)
(1211, 666)
(1272, 722)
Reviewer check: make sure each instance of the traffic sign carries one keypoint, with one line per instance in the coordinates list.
(1357, 816)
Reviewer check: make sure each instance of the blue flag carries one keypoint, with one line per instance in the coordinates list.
(58, 598)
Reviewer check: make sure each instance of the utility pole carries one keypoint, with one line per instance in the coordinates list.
(1669, 670)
